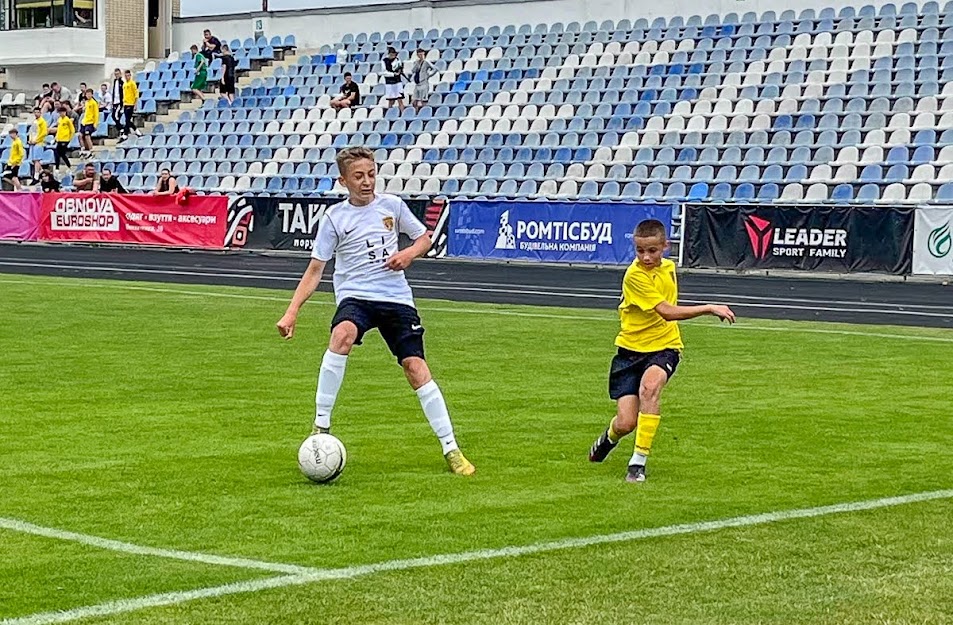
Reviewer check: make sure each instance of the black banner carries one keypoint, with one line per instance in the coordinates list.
(276, 223)
(814, 238)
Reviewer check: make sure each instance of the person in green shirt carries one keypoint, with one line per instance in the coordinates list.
(201, 73)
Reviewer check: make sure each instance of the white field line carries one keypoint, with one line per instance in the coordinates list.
(15, 525)
(493, 311)
(512, 289)
(319, 575)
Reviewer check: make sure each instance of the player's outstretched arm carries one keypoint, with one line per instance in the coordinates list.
(402, 259)
(671, 312)
(306, 287)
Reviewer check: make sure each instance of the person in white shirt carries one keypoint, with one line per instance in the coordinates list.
(371, 291)
(104, 98)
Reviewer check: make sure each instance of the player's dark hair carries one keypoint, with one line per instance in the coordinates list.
(391, 50)
(346, 74)
(347, 156)
(650, 228)
(419, 50)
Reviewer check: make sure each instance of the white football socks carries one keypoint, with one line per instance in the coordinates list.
(638, 459)
(329, 383)
(435, 408)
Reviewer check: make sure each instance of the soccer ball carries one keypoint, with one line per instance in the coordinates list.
(322, 458)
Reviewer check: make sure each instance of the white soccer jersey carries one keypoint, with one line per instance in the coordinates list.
(361, 239)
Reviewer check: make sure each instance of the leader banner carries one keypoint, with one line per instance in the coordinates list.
(195, 221)
(837, 239)
(559, 232)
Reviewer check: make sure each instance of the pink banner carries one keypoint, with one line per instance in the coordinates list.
(20, 216)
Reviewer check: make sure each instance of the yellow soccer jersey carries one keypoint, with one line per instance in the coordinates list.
(643, 329)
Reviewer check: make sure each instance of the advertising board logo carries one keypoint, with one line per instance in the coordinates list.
(759, 233)
(88, 214)
(940, 241)
(769, 240)
(505, 239)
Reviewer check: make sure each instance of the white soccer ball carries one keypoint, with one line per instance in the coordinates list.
(322, 458)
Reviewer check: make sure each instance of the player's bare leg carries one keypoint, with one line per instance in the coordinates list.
(331, 375)
(623, 424)
(435, 409)
(650, 396)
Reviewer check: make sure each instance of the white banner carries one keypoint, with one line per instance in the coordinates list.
(933, 241)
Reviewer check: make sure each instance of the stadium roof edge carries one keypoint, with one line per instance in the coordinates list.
(338, 9)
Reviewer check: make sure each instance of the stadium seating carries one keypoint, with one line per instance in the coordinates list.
(854, 105)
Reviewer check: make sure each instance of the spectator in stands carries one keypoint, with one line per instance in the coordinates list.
(65, 129)
(81, 94)
(104, 98)
(166, 184)
(39, 130)
(61, 93)
(48, 182)
(421, 73)
(44, 97)
(115, 93)
(350, 95)
(12, 172)
(211, 45)
(393, 71)
(130, 96)
(110, 184)
(229, 64)
(87, 180)
(90, 121)
(201, 73)
(73, 114)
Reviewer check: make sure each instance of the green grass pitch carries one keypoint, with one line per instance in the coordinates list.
(170, 416)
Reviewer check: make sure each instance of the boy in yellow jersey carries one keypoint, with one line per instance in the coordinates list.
(38, 133)
(130, 96)
(12, 172)
(89, 123)
(650, 346)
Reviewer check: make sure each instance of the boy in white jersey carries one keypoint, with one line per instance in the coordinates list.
(361, 234)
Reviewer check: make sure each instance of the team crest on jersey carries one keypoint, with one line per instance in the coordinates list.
(389, 223)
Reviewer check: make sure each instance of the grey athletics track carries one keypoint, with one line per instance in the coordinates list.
(897, 303)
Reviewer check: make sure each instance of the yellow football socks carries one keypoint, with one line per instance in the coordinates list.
(645, 433)
(613, 436)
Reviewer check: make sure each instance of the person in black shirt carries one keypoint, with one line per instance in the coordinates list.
(110, 184)
(229, 64)
(48, 183)
(211, 45)
(350, 94)
(393, 71)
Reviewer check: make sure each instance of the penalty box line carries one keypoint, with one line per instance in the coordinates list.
(318, 575)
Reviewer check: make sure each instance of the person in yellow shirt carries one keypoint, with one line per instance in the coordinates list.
(89, 123)
(38, 134)
(65, 130)
(130, 96)
(12, 172)
(649, 346)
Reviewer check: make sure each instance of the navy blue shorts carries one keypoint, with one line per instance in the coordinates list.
(628, 367)
(87, 130)
(398, 324)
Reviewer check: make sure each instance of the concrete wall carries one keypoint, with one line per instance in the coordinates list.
(316, 27)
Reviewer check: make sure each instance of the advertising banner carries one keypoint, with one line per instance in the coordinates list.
(20, 216)
(813, 238)
(196, 221)
(933, 241)
(274, 223)
(562, 232)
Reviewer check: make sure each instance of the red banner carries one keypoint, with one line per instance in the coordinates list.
(195, 221)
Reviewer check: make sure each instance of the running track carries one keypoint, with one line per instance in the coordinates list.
(853, 301)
